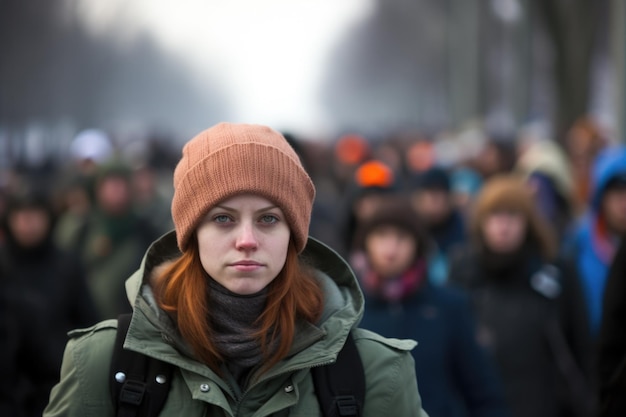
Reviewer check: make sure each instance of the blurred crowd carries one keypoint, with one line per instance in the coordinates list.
(492, 252)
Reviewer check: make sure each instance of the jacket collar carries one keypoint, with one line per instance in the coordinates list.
(343, 301)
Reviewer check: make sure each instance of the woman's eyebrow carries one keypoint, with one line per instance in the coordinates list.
(232, 209)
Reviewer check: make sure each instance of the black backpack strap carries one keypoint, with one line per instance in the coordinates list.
(139, 384)
(340, 386)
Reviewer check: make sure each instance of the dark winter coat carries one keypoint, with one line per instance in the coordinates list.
(44, 296)
(456, 376)
(525, 311)
(612, 340)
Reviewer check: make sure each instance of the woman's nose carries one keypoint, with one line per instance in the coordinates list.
(246, 237)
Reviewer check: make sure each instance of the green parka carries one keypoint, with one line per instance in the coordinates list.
(285, 390)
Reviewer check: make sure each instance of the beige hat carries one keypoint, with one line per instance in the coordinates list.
(509, 191)
(229, 159)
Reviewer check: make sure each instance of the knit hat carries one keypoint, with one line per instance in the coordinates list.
(374, 174)
(229, 159)
(511, 192)
(372, 178)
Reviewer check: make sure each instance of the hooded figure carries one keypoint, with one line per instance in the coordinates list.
(594, 240)
(528, 303)
(547, 170)
(238, 298)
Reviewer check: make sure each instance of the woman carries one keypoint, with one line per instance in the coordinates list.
(229, 300)
(456, 376)
(528, 303)
(44, 295)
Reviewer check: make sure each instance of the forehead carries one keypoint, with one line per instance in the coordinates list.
(245, 199)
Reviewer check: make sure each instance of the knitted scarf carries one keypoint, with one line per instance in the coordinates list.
(233, 322)
(395, 288)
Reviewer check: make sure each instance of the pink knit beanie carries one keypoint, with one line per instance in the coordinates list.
(229, 159)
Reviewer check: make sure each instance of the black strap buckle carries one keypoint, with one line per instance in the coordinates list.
(132, 392)
(347, 405)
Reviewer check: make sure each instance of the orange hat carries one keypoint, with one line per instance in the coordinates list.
(229, 159)
(374, 174)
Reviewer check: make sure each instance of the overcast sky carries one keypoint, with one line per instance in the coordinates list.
(266, 55)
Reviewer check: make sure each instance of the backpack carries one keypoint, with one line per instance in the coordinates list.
(140, 384)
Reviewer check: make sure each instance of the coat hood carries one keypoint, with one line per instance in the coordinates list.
(609, 163)
(343, 298)
(547, 158)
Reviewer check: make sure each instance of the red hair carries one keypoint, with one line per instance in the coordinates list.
(294, 294)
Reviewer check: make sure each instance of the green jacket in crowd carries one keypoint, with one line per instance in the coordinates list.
(285, 390)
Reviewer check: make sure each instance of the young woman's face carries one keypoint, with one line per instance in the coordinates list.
(29, 226)
(504, 231)
(390, 250)
(243, 243)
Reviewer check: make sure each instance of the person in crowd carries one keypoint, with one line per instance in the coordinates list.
(44, 296)
(111, 239)
(74, 205)
(583, 142)
(496, 156)
(373, 182)
(456, 376)
(594, 239)
(611, 347)
(238, 298)
(432, 199)
(150, 203)
(548, 172)
(528, 303)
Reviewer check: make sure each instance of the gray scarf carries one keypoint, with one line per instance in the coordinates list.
(232, 320)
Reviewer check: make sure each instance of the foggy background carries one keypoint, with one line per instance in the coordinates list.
(317, 68)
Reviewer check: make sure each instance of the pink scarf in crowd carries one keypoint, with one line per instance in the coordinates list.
(396, 288)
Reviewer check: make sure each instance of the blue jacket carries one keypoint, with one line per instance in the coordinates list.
(582, 245)
(456, 378)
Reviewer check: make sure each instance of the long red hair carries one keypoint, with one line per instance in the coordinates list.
(295, 293)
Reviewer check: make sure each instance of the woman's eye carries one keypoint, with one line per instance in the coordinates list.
(221, 218)
(269, 219)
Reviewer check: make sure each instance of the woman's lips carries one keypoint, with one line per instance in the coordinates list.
(246, 265)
